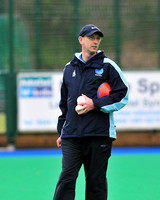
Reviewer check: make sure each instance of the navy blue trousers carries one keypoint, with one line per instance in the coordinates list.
(93, 153)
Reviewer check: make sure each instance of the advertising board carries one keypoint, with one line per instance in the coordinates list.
(143, 110)
(38, 99)
(39, 95)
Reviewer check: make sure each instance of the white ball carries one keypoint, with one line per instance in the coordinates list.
(80, 99)
(79, 108)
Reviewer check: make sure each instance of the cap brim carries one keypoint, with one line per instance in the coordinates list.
(95, 31)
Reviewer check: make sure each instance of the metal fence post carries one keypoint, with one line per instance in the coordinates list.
(117, 32)
(10, 82)
(76, 24)
(11, 37)
(38, 33)
(159, 34)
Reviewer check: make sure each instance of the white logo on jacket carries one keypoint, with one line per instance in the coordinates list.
(74, 73)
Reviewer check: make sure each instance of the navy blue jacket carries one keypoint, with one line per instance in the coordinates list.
(81, 77)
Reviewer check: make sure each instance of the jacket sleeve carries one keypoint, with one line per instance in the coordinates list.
(118, 97)
(63, 107)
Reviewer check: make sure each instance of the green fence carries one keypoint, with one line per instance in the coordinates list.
(43, 35)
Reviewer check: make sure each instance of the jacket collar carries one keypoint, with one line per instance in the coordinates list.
(94, 62)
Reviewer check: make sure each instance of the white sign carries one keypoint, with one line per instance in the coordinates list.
(39, 95)
(38, 99)
(143, 110)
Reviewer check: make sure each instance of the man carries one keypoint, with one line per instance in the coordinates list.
(86, 137)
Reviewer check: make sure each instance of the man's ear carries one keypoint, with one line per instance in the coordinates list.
(80, 39)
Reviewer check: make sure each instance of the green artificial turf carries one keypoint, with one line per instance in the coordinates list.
(130, 177)
(134, 177)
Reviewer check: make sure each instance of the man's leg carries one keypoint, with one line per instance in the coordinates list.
(97, 153)
(71, 163)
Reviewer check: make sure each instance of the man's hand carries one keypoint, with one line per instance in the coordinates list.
(59, 140)
(87, 106)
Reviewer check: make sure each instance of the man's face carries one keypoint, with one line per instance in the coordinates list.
(90, 44)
